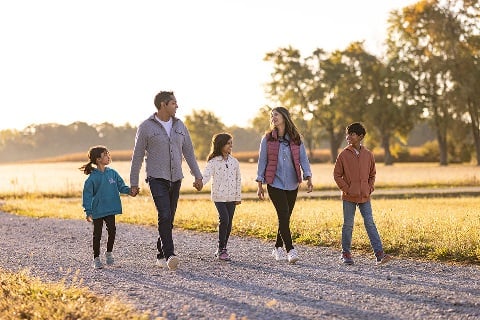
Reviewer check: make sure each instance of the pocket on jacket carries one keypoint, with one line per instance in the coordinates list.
(365, 189)
(354, 188)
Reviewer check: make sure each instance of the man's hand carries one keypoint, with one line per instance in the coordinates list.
(198, 184)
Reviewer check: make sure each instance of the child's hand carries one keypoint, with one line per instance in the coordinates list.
(238, 202)
(89, 218)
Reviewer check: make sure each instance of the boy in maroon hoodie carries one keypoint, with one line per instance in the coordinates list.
(354, 174)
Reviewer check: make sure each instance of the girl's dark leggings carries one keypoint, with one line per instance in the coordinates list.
(97, 233)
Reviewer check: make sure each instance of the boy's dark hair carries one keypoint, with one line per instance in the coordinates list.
(356, 127)
(162, 96)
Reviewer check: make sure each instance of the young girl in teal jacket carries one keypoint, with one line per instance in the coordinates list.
(101, 200)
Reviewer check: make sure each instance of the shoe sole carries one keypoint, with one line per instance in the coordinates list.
(293, 261)
(172, 263)
(224, 259)
(384, 260)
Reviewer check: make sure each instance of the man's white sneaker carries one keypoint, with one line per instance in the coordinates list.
(292, 256)
(279, 254)
(162, 263)
(172, 262)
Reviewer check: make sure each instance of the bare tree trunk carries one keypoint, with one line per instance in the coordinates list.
(388, 160)
(475, 125)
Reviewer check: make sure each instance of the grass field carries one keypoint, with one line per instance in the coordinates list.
(65, 178)
(430, 229)
(438, 229)
(442, 229)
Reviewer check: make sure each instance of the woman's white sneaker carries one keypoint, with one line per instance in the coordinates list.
(292, 256)
(279, 254)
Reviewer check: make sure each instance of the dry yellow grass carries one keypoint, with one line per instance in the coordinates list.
(65, 178)
(437, 229)
(26, 297)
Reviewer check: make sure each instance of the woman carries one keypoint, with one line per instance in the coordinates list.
(282, 157)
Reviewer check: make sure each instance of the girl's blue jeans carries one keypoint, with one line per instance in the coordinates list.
(348, 221)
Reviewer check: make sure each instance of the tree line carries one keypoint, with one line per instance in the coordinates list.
(428, 77)
(430, 73)
(40, 141)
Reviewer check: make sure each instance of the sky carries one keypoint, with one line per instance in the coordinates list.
(104, 61)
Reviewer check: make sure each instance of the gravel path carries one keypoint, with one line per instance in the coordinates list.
(252, 286)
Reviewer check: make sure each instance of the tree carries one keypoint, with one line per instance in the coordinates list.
(426, 38)
(202, 125)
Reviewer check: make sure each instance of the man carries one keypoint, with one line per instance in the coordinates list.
(162, 140)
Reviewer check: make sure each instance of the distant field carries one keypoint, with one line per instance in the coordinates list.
(64, 177)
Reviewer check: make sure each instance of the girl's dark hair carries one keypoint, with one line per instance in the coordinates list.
(162, 96)
(218, 142)
(93, 154)
(290, 127)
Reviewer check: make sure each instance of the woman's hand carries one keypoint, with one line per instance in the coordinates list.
(309, 185)
(260, 191)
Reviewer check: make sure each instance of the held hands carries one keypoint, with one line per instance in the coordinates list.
(134, 191)
(198, 184)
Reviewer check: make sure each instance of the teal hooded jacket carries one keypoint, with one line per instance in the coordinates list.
(101, 193)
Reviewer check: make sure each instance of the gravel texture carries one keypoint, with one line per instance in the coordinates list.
(252, 286)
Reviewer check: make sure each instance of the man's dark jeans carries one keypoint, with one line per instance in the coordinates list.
(165, 196)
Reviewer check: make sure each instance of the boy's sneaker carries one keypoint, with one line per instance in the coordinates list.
(223, 255)
(109, 258)
(161, 262)
(172, 262)
(278, 254)
(347, 258)
(292, 256)
(383, 257)
(97, 263)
